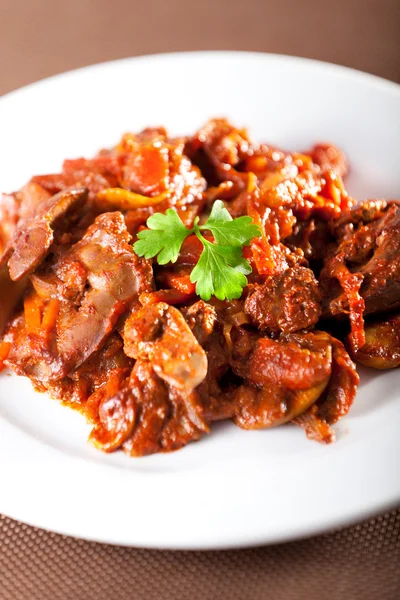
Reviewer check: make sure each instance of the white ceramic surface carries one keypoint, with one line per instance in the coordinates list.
(233, 488)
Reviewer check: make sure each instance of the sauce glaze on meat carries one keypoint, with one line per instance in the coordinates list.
(129, 343)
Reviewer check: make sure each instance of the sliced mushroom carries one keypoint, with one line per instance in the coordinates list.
(310, 374)
(147, 415)
(168, 418)
(295, 361)
(273, 405)
(34, 236)
(116, 420)
(336, 400)
(115, 277)
(338, 397)
(159, 333)
(94, 282)
(9, 216)
(382, 344)
(10, 292)
(32, 197)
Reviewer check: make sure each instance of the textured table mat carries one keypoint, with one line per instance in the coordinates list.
(41, 37)
(357, 563)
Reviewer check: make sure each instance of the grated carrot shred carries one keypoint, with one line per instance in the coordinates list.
(32, 311)
(5, 348)
(181, 283)
(50, 314)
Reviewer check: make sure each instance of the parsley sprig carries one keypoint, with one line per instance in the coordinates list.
(221, 270)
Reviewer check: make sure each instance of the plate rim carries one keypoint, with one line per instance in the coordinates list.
(311, 62)
(363, 77)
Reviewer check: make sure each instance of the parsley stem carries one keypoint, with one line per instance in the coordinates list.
(197, 232)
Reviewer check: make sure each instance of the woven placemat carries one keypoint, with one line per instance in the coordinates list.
(358, 563)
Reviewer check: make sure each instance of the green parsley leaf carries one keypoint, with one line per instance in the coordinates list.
(221, 272)
(228, 231)
(164, 237)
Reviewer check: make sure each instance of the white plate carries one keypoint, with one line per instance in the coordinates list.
(233, 488)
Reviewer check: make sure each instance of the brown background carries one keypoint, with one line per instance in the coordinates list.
(41, 37)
